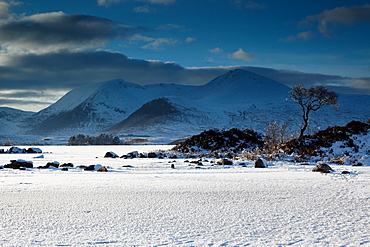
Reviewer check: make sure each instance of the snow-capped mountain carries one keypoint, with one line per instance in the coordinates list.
(92, 108)
(237, 99)
(9, 118)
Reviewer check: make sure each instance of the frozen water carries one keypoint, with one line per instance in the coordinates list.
(150, 204)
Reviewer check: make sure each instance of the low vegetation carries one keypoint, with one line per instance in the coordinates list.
(275, 143)
(102, 139)
(214, 140)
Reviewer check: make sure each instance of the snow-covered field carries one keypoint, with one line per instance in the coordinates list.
(150, 204)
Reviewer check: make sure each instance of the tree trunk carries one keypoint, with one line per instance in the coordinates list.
(305, 123)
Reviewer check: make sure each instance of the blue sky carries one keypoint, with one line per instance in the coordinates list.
(50, 47)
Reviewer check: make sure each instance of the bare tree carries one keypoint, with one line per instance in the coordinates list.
(275, 135)
(312, 99)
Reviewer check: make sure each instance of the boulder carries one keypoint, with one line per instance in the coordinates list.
(89, 168)
(260, 163)
(225, 162)
(111, 155)
(34, 151)
(103, 169)
(17, 164)
(66, 165)
(152, 155)
(323, 168)
(357, 164)
(93, 167)
(133, 154)
(52, 164)
(16, 150)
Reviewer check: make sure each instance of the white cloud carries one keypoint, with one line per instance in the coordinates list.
(143, 9)
(4, 10)
(242, 55)
(158, 43)
(109, 2)
(255, 5)
(339, 16)
(249, 4)
(216, 50)
(302, 36)
(191, 40)
(169, 27)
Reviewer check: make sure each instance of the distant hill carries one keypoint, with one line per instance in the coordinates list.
(10, 119)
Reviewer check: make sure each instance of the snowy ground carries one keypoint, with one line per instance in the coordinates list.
(150, 204)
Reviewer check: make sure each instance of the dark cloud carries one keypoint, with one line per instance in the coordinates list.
(66, 70)
(339, 16)
(62, 71)
(61, 30)
(22, 101)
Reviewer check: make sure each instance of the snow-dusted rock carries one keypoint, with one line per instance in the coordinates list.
(111, 154)
(102, 169)
(260, 163)
(34, 150)
(17, 164)
(323, 168)
(225, 162)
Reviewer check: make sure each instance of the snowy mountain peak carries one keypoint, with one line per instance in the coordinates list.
(241, 86)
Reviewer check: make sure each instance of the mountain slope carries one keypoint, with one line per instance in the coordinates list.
(154, 112)
(92, 108)
(9, 118)
(239, 86)
(242, 99)
(237, 99)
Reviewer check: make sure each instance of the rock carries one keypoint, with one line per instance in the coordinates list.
(66, 165)
(346, 172)
(89, 168)
(17, 164)
(103, 169)
(133, 154)
(357, 164)
(111, 155)
(260, 163)
(64, 169)
(16, 150)
(225, 162)
(34, 151)
(152, 155)
(323, 168)
(53, 164)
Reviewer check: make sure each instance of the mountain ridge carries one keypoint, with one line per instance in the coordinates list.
(237, 99)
